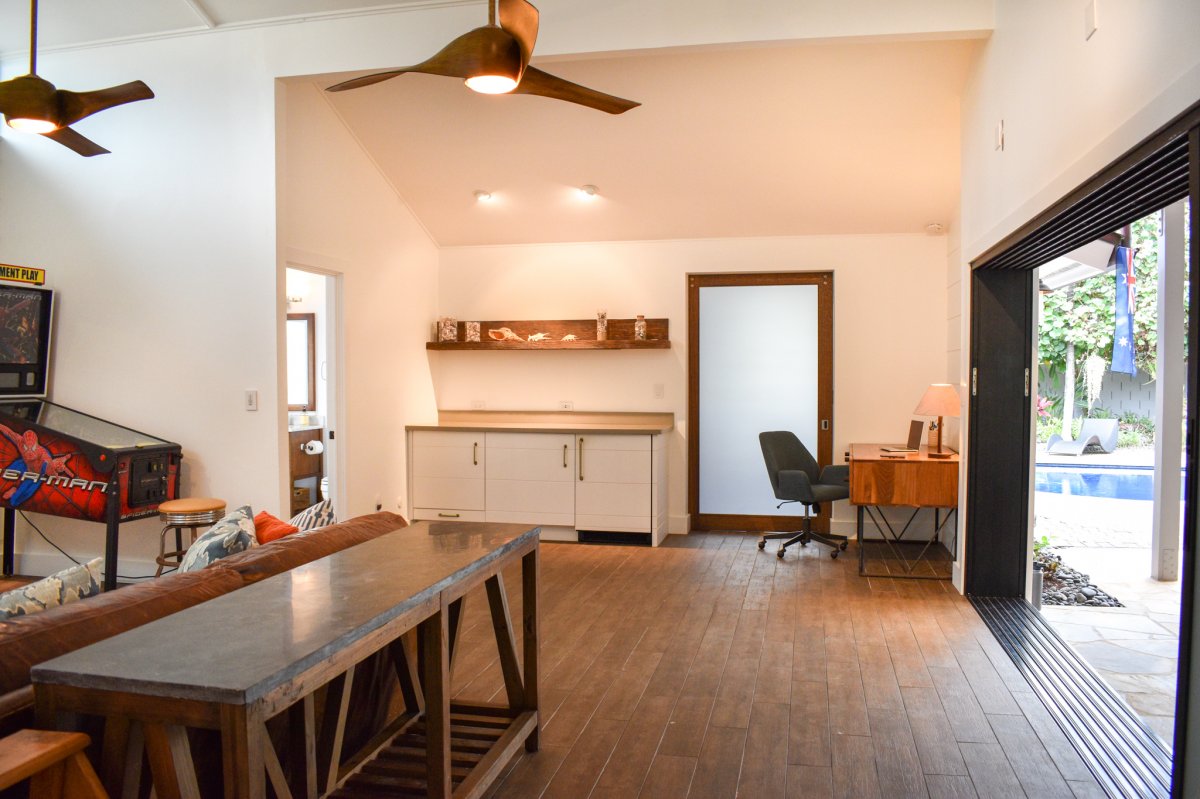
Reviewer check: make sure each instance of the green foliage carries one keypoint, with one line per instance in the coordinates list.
(1084, 313)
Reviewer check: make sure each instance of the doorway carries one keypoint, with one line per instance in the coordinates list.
(760, 357)
(314, 463)
(1117, 746)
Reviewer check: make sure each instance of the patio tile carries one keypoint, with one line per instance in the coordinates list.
(1113, 657)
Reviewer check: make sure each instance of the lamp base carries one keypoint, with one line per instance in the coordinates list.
(940, 455)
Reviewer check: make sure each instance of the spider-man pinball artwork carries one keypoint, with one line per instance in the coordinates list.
(60, 462)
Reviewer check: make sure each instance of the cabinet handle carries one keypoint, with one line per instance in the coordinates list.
(475, 453)
(580, 456)
(450, 515)
(564, 456)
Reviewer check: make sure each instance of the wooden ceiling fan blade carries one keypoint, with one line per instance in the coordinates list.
(544, 84)
(80, 144)
(476, 52)
(74, 106)
(520, 18)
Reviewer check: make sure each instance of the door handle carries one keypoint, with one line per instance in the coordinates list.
(564, 456)
(579, 455)
(450, 515)
(475, 453)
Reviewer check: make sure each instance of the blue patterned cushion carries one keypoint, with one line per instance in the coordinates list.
(232, 534)
(65, 586)
(319, 515)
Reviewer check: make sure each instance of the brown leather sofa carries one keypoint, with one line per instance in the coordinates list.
(26, 641)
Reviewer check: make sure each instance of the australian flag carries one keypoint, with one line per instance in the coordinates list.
(1122, 350)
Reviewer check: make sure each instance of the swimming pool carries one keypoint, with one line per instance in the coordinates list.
(1106, 482)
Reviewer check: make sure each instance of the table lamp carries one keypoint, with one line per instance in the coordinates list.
(941, 399)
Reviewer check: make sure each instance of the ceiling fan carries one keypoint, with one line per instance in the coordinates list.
(494, 59)
(32, 104)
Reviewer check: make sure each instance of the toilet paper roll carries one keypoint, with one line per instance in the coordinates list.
(313, 447)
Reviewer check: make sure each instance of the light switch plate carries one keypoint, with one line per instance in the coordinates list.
(1000, 135)
(251, 399)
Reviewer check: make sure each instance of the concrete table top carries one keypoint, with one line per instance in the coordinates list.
(235, 648)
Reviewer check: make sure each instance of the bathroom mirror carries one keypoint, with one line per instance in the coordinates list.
(301, 362)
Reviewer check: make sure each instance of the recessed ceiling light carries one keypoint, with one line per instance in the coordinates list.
(483, 196)
(588, 191)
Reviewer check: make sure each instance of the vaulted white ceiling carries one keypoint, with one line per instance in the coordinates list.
(764, 141)
(834, 136)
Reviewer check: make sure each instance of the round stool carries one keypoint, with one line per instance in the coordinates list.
(193, 513)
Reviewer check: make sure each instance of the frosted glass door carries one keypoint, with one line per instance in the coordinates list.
(758, 365)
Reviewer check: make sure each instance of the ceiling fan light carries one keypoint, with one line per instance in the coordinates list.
(31, 125)
(491, 84)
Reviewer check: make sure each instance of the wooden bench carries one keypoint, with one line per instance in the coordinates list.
(53, 762)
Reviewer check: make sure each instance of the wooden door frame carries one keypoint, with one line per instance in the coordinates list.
(824, 283)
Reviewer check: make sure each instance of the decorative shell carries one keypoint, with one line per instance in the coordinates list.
(503, 334)
(537, 337)
(570, 337)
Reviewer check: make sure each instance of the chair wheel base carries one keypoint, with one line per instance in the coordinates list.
(842, 546)
(762, 544)
(834, 554)
(779, 554)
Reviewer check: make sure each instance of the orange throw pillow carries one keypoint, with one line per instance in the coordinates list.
(267, 528)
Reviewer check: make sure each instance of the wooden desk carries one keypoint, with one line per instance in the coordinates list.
(235, 661)
(912, 480)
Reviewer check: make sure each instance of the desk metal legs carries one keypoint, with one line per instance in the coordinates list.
(891, 538)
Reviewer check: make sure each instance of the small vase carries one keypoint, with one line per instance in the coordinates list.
(472, 329)
(448, 329)
(602, 326)
(639, 328)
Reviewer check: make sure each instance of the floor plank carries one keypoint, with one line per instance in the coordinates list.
(706, 668)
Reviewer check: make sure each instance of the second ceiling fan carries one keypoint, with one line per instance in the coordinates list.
(494, 59)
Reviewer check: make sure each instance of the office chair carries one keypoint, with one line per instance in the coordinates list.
(796, 477)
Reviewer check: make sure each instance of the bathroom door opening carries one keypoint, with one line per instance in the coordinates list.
(315, 462)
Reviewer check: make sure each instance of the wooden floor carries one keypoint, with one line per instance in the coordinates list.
(706, 668)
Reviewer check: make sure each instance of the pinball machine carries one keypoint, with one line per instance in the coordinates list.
(61, 462)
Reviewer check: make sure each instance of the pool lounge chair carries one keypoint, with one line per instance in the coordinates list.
(1101, 432)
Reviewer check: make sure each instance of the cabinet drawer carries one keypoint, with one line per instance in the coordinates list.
(531, 501)
(609, 523)
(546, 465)
(448, 492)
(633, 442)
(530, 440)
(445, 438)
(612, 466)
(464, 462)
(447, 515)
(613, 499)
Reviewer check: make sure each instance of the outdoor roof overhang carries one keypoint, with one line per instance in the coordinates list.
(1094, 258)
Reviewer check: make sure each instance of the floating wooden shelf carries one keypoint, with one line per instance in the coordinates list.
(620, 336)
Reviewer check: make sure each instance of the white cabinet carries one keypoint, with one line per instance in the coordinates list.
(530, 478)
(567, 482)
(613, 490)
(448, 470)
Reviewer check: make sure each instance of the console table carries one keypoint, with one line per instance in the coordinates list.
(912, 479)
(234, 662)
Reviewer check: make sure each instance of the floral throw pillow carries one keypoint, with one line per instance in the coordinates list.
(319, 515)
(65, 586)
(231, 535)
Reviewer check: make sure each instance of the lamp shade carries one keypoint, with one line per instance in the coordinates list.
(941, 399)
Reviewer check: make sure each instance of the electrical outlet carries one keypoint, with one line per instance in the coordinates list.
(478, 405)
(660, 391)
(566, 405)
(251, 399)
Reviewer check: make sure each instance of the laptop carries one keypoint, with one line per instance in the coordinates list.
(915, 428)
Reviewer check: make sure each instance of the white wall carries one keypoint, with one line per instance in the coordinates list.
(889, 327)
(1069, 106)
(338, 214)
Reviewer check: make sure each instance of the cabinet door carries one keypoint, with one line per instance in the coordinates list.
(530, 478)
(448, 470)
(613, 488)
